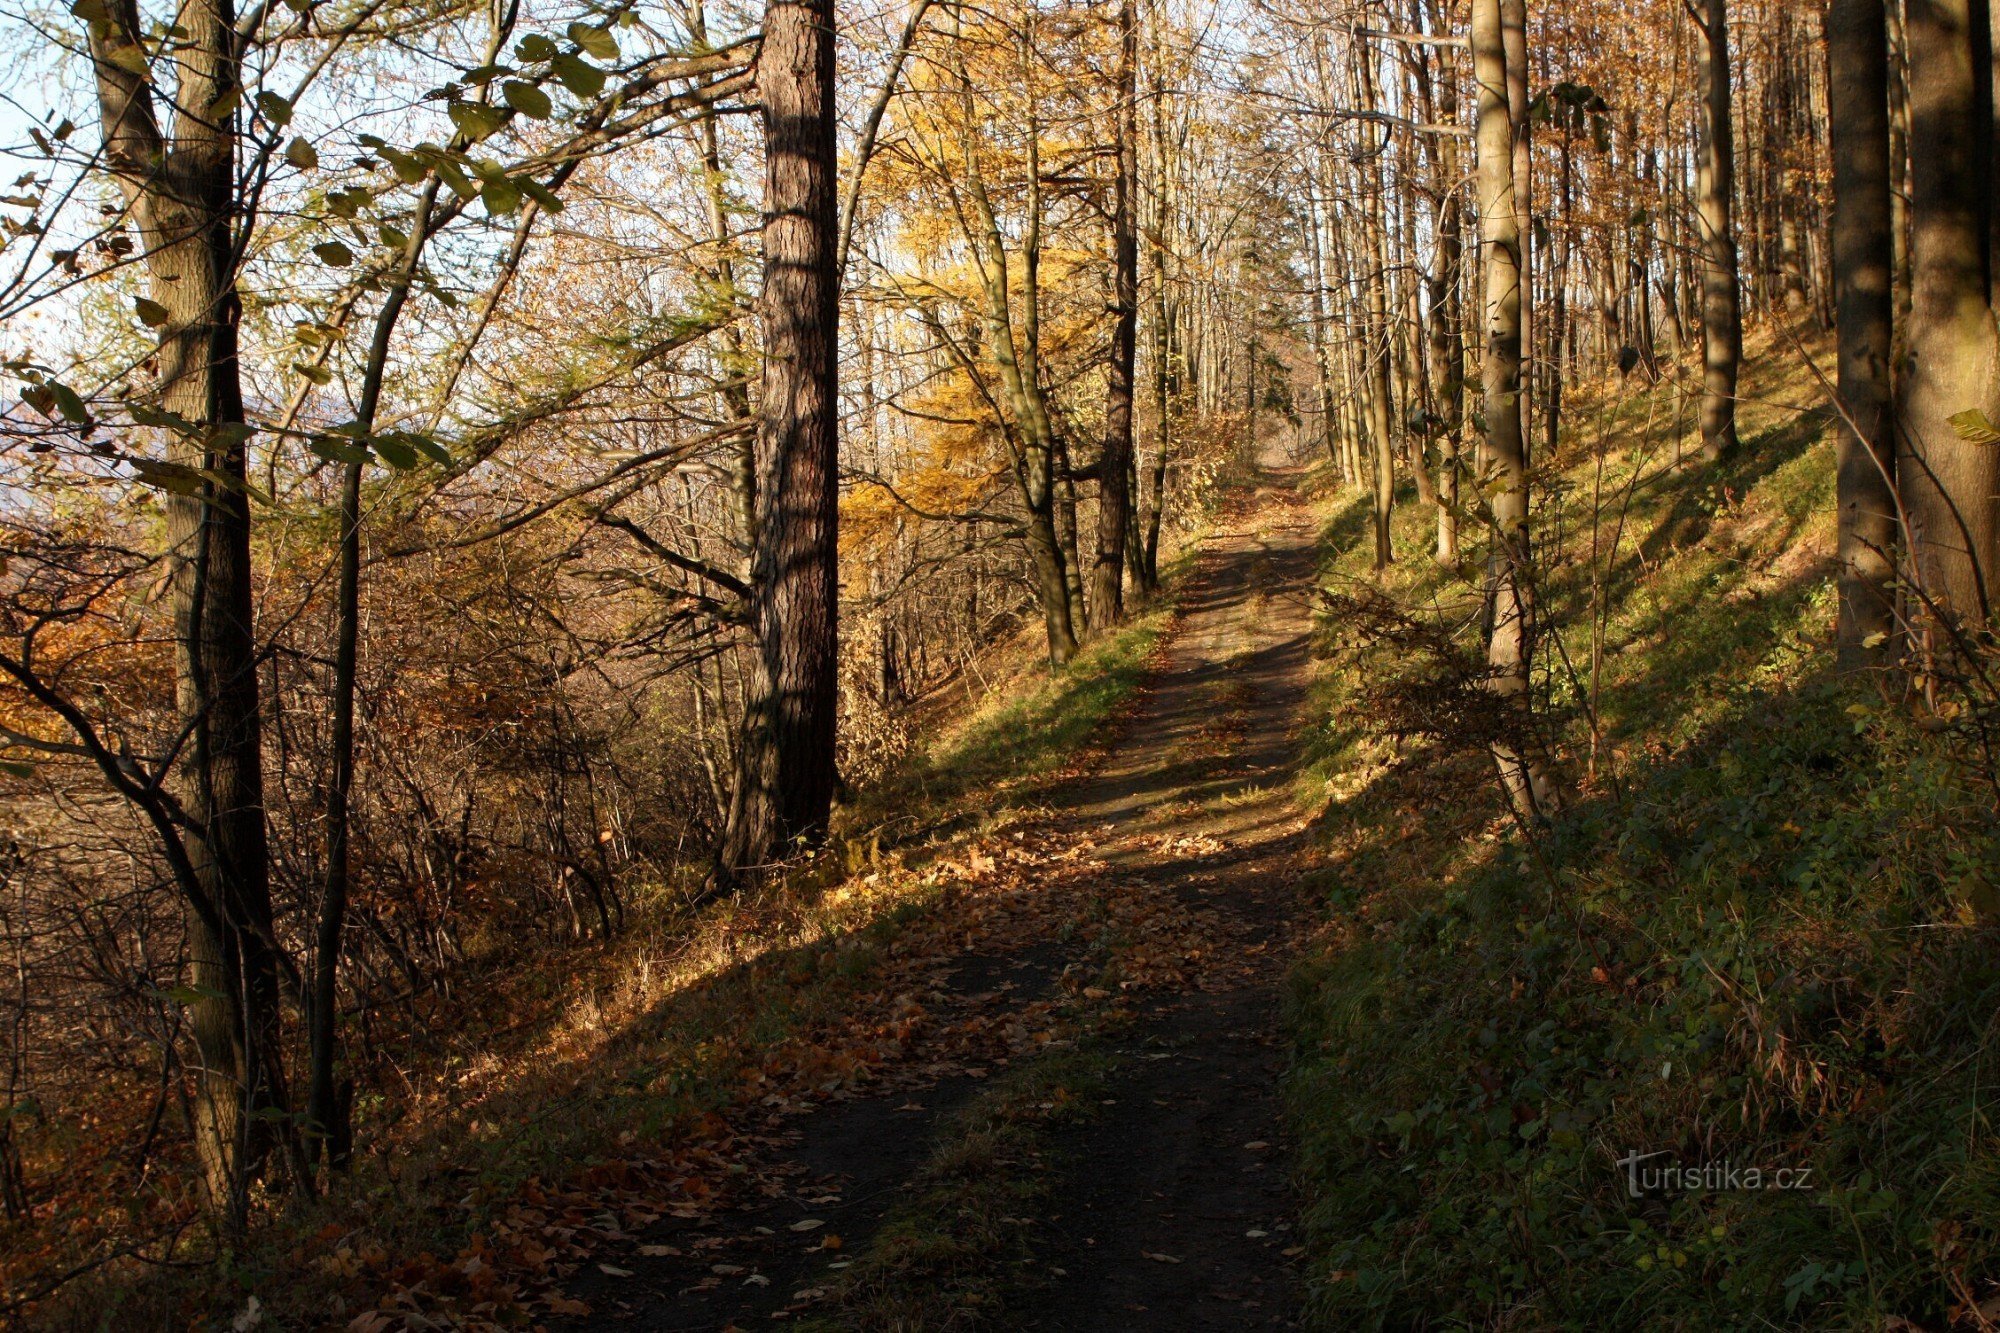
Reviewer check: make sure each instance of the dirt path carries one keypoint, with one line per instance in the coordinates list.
(1169, 1208)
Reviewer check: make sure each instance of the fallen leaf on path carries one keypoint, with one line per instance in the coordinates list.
(612, 1270)
(809, 1224)
(1161, 1258)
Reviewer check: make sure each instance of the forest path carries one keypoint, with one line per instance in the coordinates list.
(1166, 1206)
(1176, 1213)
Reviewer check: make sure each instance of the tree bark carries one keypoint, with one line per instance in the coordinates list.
(1948, 483)
(1510, 645)
(785, 778)
(1381, 408)
(1715, 186)
(1114, 501)
(1864, 286)
(180, 193)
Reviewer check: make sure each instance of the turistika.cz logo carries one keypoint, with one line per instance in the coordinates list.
(1672, 1177)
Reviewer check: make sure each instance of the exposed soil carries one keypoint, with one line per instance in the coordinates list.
(1172, 1210)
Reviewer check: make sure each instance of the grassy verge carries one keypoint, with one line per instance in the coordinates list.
(1749, 944)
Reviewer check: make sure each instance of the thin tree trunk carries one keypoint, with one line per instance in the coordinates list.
(1721, 302)
(1114, 501)
(785, 778)
(1864, 268)
(1381, 409)
(1510, 646)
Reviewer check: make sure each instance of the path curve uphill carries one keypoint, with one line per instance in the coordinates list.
(1132, 1150)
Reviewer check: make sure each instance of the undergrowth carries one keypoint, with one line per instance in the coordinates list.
(572, 1069)
(1754, 942)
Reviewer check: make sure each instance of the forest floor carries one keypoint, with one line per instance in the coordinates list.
(1123, 1165)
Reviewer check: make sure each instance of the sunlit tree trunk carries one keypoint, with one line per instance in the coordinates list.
(1715, 187)
(1510, 644)
(1948, 482)
(1114, 501)
(1374, 240)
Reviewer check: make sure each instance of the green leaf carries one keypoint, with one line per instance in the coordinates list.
(274, 109)
(408, 168)
(461, 185)
(15, 768)
(597, 41)
(397, 451)
(313, 374)
(69, 404)
(301, 155)
(334, 253)
(1974, 427)
(163, 419)
(581, 77)
(476, 120)
(347, 203)
(169, 476)
(394, 237)
(92, 11)
(500, 196)
(151, 313)
(526, 98)
(337, 450)
(540, 193)
(534, 47)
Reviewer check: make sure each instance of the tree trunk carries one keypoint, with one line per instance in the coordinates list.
(1864, 268)
(785, 776)
(1114, 501)
(182, 200)
(1510, 645)
(1381, 408)
(1721, 306)
(1947, 482)
(1447, 327)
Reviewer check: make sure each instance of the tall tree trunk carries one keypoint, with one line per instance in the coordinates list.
(1721, 302)
(1447, 325)
(181, 194)
(1948, 483)
(1374, 232)
(785, 777)
(1864, 268)
(1510, 645)
(1114, 501)
(1514, 37)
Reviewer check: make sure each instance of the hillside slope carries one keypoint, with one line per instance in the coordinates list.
(1750, 942)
